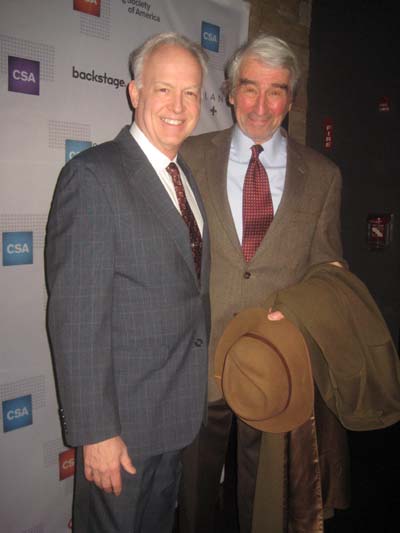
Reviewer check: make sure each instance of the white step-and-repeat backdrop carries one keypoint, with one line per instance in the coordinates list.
(63, 78)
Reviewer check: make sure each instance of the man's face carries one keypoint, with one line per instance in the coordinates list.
(261, 99)
(168, 102)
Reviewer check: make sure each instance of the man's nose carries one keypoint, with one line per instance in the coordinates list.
(261, 104)
(177, 102)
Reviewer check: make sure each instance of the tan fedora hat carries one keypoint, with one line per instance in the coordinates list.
(264, 370)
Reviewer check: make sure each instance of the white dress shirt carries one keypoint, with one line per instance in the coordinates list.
(273, 157)
(159, 162)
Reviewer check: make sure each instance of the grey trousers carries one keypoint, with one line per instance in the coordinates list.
(146, 504)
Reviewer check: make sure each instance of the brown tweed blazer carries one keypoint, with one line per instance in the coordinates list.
(305, 229)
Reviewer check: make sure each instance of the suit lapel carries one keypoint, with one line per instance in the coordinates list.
(144, 180)
(217, 167)
(216, 175)
(205, 257)
(217, 164)
(294, 184)
(291, 197)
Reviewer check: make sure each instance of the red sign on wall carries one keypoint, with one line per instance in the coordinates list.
(66, 462)
(384, 104)
(90, 7)
(328, 133)
(379, 228)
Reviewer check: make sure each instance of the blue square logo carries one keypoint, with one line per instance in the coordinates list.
(72, 148)
(17, 413)
(210, 36)
(17, 248)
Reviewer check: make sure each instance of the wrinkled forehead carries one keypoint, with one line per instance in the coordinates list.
(255, 71)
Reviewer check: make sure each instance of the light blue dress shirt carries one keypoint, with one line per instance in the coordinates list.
(273, 158)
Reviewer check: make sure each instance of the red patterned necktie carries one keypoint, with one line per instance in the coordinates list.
(196, 241)
(258, 210)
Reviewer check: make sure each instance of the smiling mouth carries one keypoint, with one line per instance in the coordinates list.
(172, 122)
(260, 120)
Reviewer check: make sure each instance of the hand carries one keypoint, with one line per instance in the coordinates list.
(103, 461)
(336, 263)
(274, 315)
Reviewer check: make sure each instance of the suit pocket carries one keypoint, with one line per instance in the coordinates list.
(140, 358)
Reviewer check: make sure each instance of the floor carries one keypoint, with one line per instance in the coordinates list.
(375, 477)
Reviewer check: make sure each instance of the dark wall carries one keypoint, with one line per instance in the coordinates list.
(354, 63)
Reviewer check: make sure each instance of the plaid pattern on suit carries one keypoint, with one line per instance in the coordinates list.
(128, 319)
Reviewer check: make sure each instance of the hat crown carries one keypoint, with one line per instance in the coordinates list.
(264, 388)
(264, 370)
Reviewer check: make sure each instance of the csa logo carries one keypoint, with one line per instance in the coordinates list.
(23, 75)
(72, 148)
(91, 7)
(17, 413)
(17, 248)
(210, 36)
(66, 462)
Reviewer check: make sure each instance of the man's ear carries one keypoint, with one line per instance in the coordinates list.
(133, 93)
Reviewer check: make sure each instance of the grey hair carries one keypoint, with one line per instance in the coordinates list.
(271, 51)
(138, 56)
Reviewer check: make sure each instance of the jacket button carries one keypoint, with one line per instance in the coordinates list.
(198, 342)
(247, 275)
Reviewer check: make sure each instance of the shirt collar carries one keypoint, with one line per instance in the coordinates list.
(274, 149)
(158, 160)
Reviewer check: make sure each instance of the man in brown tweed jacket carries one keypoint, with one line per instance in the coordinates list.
(305, 189)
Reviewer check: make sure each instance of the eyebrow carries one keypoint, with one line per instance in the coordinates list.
(159, 82)
(247, 81)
